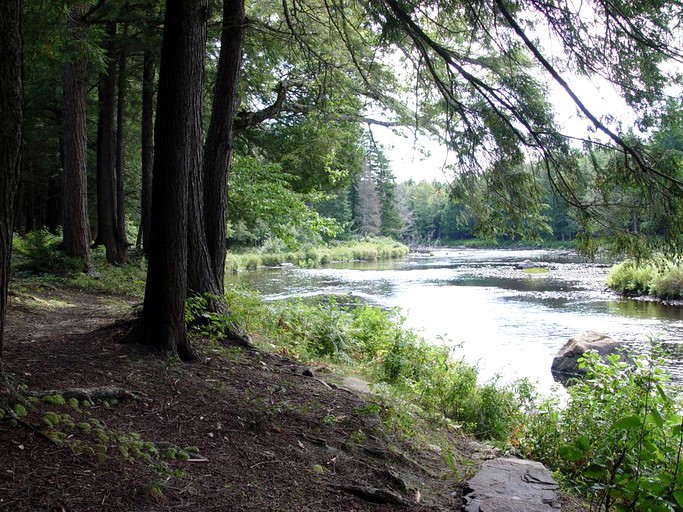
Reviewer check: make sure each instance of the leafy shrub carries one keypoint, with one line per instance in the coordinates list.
(631, 277)
(661, 278)
(38, 254)
(618, 438)
(668, 284)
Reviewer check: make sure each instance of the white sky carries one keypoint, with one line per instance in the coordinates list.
(408, 162)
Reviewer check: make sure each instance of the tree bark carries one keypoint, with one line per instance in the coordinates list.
(75, 215)
(106, 158)
(178, 143)
(121, 238)
(11, 124)
(208, 186)
(147, 143)
(219, 140)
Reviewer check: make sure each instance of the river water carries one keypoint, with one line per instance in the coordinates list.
(508, 322)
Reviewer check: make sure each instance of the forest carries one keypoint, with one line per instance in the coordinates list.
(145, 143)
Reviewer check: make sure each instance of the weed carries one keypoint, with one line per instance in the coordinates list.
(619, 438)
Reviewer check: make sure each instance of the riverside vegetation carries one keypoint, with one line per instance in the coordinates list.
(659, 278)
(617, 439)
(274, 253)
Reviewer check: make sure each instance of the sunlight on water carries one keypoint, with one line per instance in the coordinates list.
(508, 322)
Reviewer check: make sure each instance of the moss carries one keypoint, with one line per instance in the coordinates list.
(54, 400)
(51, 419)
(20, 410)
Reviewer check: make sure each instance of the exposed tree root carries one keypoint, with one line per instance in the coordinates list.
(374, 495)
(96, 394)
(235, 335)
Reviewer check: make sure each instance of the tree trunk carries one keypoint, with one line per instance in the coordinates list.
(121, 239)
(219, 141)
(147, 131)
(178, 142)
(75, 214)
(106, 164)
(208, 188)
(11, 124)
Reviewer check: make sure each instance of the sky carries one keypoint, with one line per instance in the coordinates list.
(408, 162)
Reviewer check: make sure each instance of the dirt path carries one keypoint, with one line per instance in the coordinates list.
(236, 430)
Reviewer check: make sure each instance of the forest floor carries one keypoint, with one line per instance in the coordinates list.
(236, 430)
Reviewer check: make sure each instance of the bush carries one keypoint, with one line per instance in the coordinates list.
(663, 279)
(668, 284)
(38, 254)
(630, 277)
(619, 437)
(272, 259)
(251, 261)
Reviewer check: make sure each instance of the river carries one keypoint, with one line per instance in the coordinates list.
(508, 322)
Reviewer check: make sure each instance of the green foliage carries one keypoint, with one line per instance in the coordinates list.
(38, 254)
(264, 204)
(659, 278)
(310, 256)
(19, 410)
(376, 343)
(618, 438)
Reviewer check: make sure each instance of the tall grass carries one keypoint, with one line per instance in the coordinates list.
(273, 254)
(659, 278)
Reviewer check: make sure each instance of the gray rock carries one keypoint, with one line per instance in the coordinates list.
(566, 362)
(526, 264)
(512, 485)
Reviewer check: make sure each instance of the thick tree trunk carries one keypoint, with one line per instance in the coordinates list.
(121, 239)
(147, 143)
(178, 142)
(106, 155)
(11, 123)
(219, 141)
(208, 188)
(75, 214)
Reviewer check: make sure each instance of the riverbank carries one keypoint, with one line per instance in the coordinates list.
(364, 249)
(660, 279)
(422, 397)
(479, 243)
(272, 433)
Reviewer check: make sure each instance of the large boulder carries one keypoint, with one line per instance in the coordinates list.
(566, 362)
(512, 485)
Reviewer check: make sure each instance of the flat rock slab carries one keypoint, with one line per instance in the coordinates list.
(512, 485)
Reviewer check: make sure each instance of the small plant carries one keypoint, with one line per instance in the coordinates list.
(38, 254)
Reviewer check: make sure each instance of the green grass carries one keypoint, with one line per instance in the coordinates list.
(309, 256)
(536, 270)
(658, 278)
(37, 261)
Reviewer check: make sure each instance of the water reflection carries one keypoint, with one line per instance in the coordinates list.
(508, 322)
